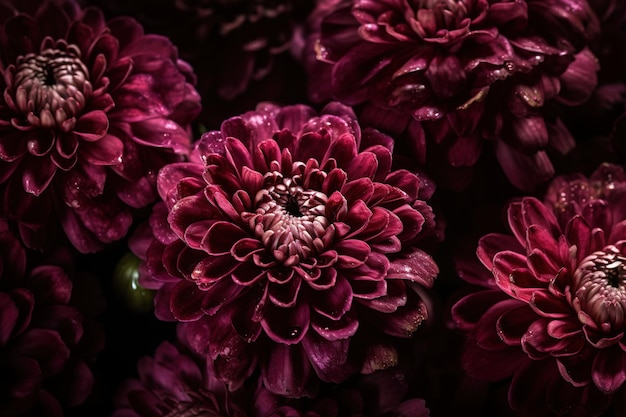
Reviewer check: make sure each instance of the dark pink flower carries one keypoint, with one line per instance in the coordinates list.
(287, 234)
(555, 304)
(459, 74)
(172, 384)
(46, 337)
(90, 111)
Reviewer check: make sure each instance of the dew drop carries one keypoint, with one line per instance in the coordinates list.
(321, 53)
(295, 331)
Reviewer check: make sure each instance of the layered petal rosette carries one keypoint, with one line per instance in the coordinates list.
(456, 74)
(90, 111)
(555, 301)
(47, 338)
(173, 384)
(288, 235)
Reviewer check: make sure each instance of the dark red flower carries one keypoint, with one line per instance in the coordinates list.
(173, 385)
(90, 111)
(555, 305)
(46, 337)
(291, 235)
(458, 74)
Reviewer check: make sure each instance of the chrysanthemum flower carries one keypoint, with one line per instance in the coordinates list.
(555, 306)
(290, 236)
(172, 384)
(45, 338)
(455, 74)
(90, 111)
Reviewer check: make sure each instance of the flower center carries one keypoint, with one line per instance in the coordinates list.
(51, 86)
(290, 220)
(600, 288)
(447, 14)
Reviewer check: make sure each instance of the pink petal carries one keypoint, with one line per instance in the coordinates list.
(609, 370)
(415, 266)
(221, 238)
(334, 302)
(287, 371)
(329, 359)
(37, 177)
(186, 301)
(286, 325)
(106, 151)
(92, 126)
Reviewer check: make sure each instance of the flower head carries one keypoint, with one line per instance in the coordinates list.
(454, 74)
(289, 234)
(90, 111)
(46, 337)
(556, 302)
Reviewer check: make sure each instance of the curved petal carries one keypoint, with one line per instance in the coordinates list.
(334, 302)
(221, 237)
(328, 358)
(286, 326)
(609, 369)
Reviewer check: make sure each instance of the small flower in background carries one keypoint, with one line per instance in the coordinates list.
(240, 50)
(288, 244)
(612, 17)
(90, 111)
(555, 303)
(594, 122)
(48, 335)
(172, 384)
(458, 74)
(244, 35)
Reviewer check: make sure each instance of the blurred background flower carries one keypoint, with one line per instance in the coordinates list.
(48, 333)
(172, 384)
(455, 75)
(240, 49)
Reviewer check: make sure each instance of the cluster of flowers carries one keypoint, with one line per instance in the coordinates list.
(315, 208)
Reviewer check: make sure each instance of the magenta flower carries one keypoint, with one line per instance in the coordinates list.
(554, 308)
(172, 384)
(46, 337)
(456, 74)
(291, 235)
(90, 111)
